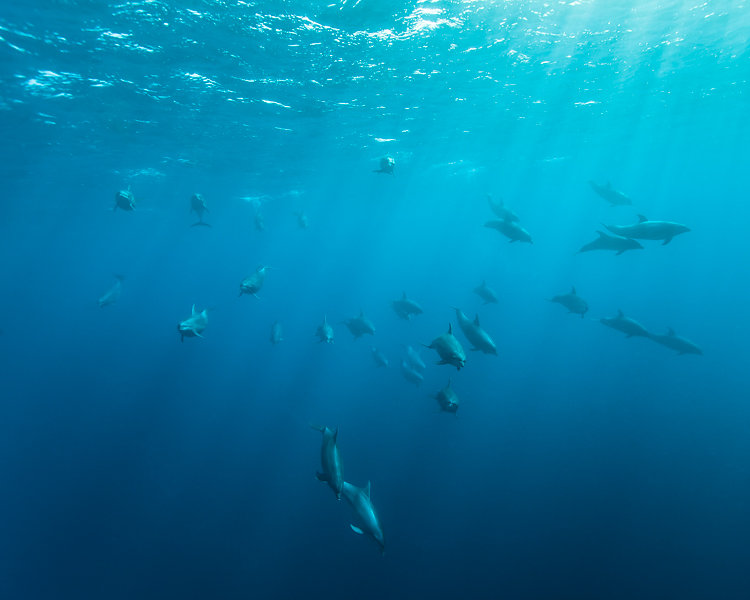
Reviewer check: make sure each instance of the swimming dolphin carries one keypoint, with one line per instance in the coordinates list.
(477, 336)
(414, 360)
(360, 325)
(611, 195)
(405, 308)
(380, 359)
(260, 224)
(194, 325)
(324, 332)
(198, 205)
(676, 342)
(510, 229)
(649, 230)
(573, 302)
(630, 327)
(253, 283)
(277, 335)
(498, 207)
(606, 241)
(124, 200)
(302, 219)
(486, 293)
(411, 374)
(386, 166)
(112, 295)
(449, 349)
(330, 460)
(447, 399)
(368, 523)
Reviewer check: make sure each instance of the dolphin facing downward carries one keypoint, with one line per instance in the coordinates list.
(367, 519)
(198, 205)
(252, 284)
(330, 460)
(324, 333)
(193, 326)
(449, 349)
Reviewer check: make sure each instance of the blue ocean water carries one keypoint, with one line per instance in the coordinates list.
(581, 464)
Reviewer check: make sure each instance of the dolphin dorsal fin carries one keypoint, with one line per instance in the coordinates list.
(620, 314)
(608, 185)
(366, 489)
(403, 295)
(642, 218)
(476, 321)
(361, 313)
(670, 332)
(450, 329)
(193, 311)
(573, 290)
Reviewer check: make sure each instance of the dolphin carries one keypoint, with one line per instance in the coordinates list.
(193, 326)
(112, 295)
(447, 399)
(611, 195)
(573, 302)
(630, 327)
(360, 325)
(498, 207)
(324, 332)
(253, 283)
(277, 334)
(449, 349)
(606, 241)
(405, 308)
(486, 293)
(386, 165)
(413, 359)
(676, 342)
(359, 499)
(198, 205)
(477, 336)
(260, 224)
(330, 460)
(302, 219)
(649, 230)
(380, 359)
(124, 200)
(510, 229)
(411, 374)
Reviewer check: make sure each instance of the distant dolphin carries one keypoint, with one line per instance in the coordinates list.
(302, 219)
(614, 197)
(124, 200)
(277, 334)
(368, 523)
(510, 229)
(411, 374)
(324, 332)
(260, 224)
(193, 326)
(112, 295)
(449, 349)
(473, 331)
(360, 326)
(253, 283)
(330, 460)
(386, 165)
(447, 399)
(649, 230)
(606, 241)
(498, 207)
(380, 359)
(675, 342)
(198, 205)
(405, 308)
(630, 327)
(486, 293)
(573, 302)
(414, 360)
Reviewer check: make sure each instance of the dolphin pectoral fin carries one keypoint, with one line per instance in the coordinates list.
(322, 477)
(198, 334)
(665, 242)
(356, 530)
(619, 252)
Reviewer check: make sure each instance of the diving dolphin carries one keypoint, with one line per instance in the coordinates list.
(302, 221)
(630, 327)
(368, 523)
(510, 229)
(193, 326)
(675, 342)
(611, 195)
(360, 325)
(253, 283)
(112, 295)
(649, 230)
(573, 302)
(414, 360)
(486, 293)
(330, 460)
(198, 206)
(605, 241)
(449, 349)
(277, 335)
(386, 166)
(324, 332)
(447, 399)
(380, 359)
(477, 336)
(405, 308)
(124, 200)
(498, 207)
(411, 374)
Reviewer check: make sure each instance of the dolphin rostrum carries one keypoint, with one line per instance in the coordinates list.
(324, 332)
(405, 308)
(675, 342)
(606, 241)
(573, 302)
(112, 295)
(449, 349)
(510, 229)
(486, 293)
(630, 327)
(360, 325)
(330, 460)
(193, 326)
(611, 195)
(198, 206)
(253, 283)
(649, 230)
(367, 519)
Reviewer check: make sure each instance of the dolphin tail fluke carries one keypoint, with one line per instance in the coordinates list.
(356, 530)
